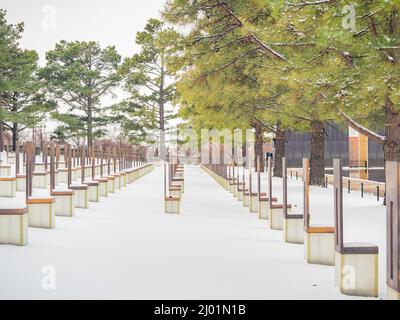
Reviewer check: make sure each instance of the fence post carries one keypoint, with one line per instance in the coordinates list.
(362, 190)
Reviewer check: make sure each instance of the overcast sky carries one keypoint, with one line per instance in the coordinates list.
(110, 22)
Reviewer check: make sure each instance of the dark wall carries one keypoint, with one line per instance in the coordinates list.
(336, 146)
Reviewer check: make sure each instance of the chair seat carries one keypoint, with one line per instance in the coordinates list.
(79, 187)
(294, 217)
(7, 179)
(91, 183)
(13, 211)
(359, 248)
(172, 199)
(315, 229)
(62, 192)
(280, 206)
(267, 199)
(40, 200)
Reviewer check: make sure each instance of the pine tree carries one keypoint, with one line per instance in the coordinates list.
(78, 75)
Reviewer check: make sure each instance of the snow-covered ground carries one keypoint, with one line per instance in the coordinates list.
(125, 248)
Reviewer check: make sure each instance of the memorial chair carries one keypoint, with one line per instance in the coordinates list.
(292, 223)
(64, 197)
(81, 199)
(14, 223)
(393, 230)
(103, 181)
(263, 199)
(41, 209)
(20, 177)
(91, 182)
(276, 210)
(172, 205)
(319, 241)
(356, 270)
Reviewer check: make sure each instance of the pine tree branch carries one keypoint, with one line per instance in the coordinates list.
(361, 129)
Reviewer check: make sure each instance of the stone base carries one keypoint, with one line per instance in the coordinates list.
(117, 181)
(172, 205)
(240, 195)
(93, 191)
(293, 229)
(5, 170)
(21, 183)
(40, 167)
(254, 203)
(103, 187)
(263, 210)
(235, 191)
(42, 213)
(111, 184)
(11, 158)
(276, 218)
(393, 294)
(39, 180)
(81, 199)
(320, 246)
(73, 174)
(175, 192)
(357, 274)
(246, 200)
(65, 203)
(123, 179)
(180, 183)
(62, 176)
(14, 226)
(8, 187)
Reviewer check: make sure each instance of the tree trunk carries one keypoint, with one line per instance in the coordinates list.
(90, 123)
(280, 144)
(161, 112)
(14, 136)
(317, 156)
(391, 144)
(258, 148)
(1, 136)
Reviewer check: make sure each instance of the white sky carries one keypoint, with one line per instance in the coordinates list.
(110, 22)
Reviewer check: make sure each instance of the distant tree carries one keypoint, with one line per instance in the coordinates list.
(9, 36)
(148, 78)
(78, 75)
(24, 101)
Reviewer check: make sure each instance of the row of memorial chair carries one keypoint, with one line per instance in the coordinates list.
(356, 264)
(55, 188)
(174, 187)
